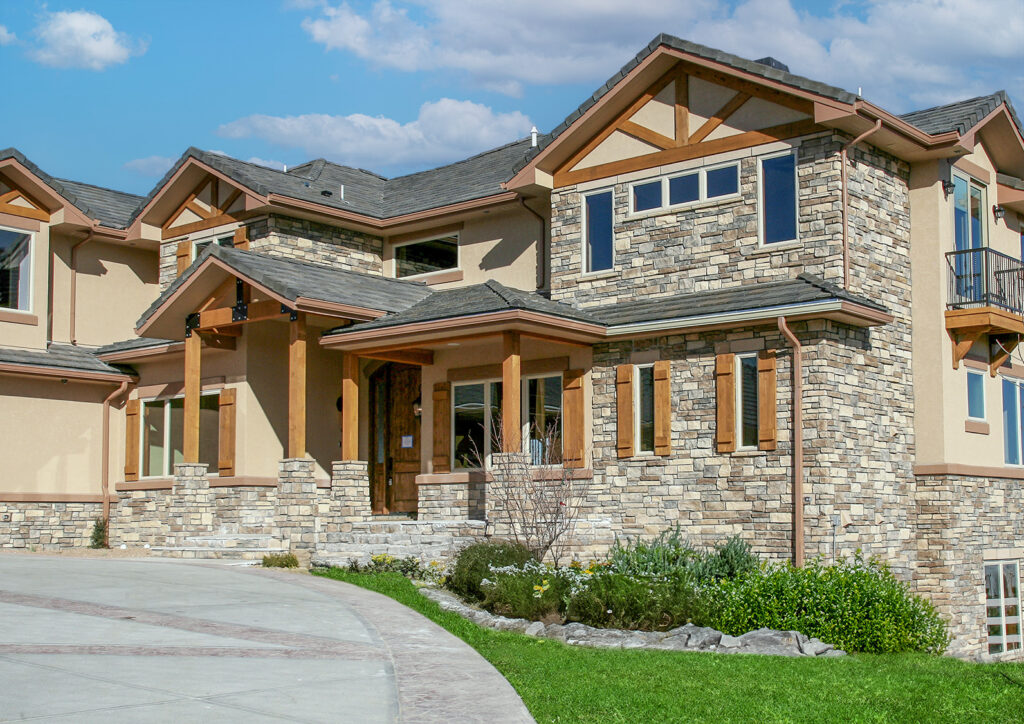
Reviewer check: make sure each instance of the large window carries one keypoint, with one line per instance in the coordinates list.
(200, 244)
(644, 409)
(746, 401)
(1012, 419)
(975, 395)
(163, 424)
(704, 184)
(598, 240)
(15, 270)
(778, 199)
(425, 257)
(542, 399)
(1002, 606)
(968, 214)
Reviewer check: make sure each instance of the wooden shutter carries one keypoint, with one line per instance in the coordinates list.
(131, 440)
(624, 409)
(663, 408)
(183, 255)
(573, 454)
(767, 427)
(226, 447)
(241, 239)
(442, 427)
(725, 393)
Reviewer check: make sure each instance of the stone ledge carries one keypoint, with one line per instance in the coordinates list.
(684, 638)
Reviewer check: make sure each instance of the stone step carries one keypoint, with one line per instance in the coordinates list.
(232, 540)
(199, 552)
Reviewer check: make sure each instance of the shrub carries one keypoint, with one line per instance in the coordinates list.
(99, 534)
(670, 555)
(280, 560)
(533, 591)
(616, 600)
(474, 564)
(856, 606)
(410, 567)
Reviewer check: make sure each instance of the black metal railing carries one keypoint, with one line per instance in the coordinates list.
(985, 278)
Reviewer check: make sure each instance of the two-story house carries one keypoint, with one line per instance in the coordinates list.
(724, 296)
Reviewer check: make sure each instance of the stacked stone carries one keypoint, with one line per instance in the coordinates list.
(452, 501)
(191, 510)
(47, 525)
(304, 240)
(348, 499)
(296, 512)
(140, 517)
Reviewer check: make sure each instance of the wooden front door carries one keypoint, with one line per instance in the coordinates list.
(395, 442)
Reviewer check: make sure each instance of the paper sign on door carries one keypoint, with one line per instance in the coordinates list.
(406, 442)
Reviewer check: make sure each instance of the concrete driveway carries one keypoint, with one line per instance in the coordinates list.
(106, 640)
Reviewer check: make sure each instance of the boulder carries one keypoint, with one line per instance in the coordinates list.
(729, 644)
(536, 628)
(773, 643)
(815, 647)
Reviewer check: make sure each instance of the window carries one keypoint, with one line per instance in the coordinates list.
(968, 214)
(163, 426)
(703, 184)
(778, 199)
(975, 395)
(1012, 420)
(598, 240)
(15, 270)
(746, 400)
(644, 406)
(475, 423)
(1002, 606)
(199, 245)
(425, 257)
(542, 399)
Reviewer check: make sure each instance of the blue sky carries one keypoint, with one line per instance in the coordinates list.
(111, 91)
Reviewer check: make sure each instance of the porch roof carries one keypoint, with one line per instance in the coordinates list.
(60, 360)
(296, 284)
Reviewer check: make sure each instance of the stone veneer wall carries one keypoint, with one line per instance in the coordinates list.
(47, 525)
(452, 501)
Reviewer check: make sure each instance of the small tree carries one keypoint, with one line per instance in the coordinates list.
(99, 534)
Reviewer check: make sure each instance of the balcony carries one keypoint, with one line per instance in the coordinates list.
(985, 296)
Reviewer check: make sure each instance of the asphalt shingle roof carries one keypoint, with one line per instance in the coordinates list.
(136, 343)
(292, 279)
(58, 356)
(960, 116)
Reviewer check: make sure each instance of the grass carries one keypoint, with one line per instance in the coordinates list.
(562, 683)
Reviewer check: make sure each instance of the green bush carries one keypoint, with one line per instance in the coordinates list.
(535, 592)
(410, 567)
(99, 534)
(280, 560)
(615, 600)
(670, 555)
(474, 564)
(856, 606)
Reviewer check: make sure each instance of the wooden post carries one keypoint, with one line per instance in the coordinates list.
(297, 386)
(511, 386)
(193, 344)
(349, 407)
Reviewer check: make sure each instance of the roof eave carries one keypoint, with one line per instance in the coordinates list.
(64, 373)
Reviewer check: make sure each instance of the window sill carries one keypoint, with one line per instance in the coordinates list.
(437, 277)
(978, 427)
(594, 275)
(17, 316)
(764, 249)
(749, 453)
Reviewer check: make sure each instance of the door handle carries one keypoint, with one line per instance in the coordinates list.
(389, 482)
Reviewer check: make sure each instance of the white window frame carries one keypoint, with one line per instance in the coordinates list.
(739, 401)
(984, 401)
(1002, 619)
(637, 404)
(1018, 386)
(426, 275)
(168, 470)
(524, 403)
(31, 270)
(760, 200)
(983, 188)
(487, 421)
(702, 189)
(212, 238)
(584, 258)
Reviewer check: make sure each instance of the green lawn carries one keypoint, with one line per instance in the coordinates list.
(562, 683)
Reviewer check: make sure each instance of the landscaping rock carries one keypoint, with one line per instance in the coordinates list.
(832, 653)
(729, 643)
(774, 643)
(815, 647)
(701, 638)
(536, 628)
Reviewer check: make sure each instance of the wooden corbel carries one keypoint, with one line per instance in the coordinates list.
(1002, 347)
(963, 339)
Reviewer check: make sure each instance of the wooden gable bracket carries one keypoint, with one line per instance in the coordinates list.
(216, 215)
(963, 339)
(37, 210)
(1001, 347)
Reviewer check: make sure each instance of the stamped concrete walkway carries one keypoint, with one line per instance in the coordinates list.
(105, 640)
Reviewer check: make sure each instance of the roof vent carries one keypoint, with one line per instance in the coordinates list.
(533, 137)
(325, 192)
(341, 194)
(772, 63)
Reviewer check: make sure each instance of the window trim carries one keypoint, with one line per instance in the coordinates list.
(212, 238)
(584, 263)
(1002, 607)
(524, 413)
(31, 271)
(486, 382)
(1018, 386)
(637, 405)
(981, 186)
(984, 401)
(761, 243)
(426, 275)
(738, 358)
(702, 188)
(168, 466)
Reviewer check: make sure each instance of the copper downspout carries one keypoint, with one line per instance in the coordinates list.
(846, 225)
(74, 284)
(542, 255)
(105, 463)
(798, 445)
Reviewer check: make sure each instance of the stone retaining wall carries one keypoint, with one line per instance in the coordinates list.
(47, 525)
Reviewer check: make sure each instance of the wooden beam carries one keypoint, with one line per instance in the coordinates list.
(756, 90)
(720, 117)
(26, 212)
(682, 109)
(419, 357)
(200, 211)
(9, 196)
(297, 386)
(170, 233)
(256, 312)
(1004, 348)
(193, 345)
(231, 199)
(647, 135)
(181, 207)
(349, 407)
(215, 197)
(511, 389)
(213, 340)
(963, 340)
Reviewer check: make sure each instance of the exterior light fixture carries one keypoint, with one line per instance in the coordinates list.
(998, 212)
(417, 408)
(947, 187)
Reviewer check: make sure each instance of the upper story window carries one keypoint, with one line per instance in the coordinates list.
(1012, 421)
(163, 425)
(15, 270)
(703, 184)
(968, 214)
(975, 395)
(746, 401)
(598, 251)
(427, 256)
(778, 195)
(199, 244)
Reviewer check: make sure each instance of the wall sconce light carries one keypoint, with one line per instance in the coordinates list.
(948, 186)
(417, 408)
(998, 212)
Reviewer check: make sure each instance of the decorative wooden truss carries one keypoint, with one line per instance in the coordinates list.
(966, 326)
(206, 202)
(687, 143)
(16, 202)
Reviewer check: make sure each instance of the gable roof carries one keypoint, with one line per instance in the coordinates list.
(960, 116)
(59, 357)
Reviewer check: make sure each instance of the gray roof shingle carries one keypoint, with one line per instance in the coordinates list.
(960, 116)
(129, 345)
(292, 279)
(58, 356)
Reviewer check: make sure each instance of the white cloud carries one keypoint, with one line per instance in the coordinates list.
(82, 39)
(445, 130)
(6, 36)
(905, 53)
(155, 166)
